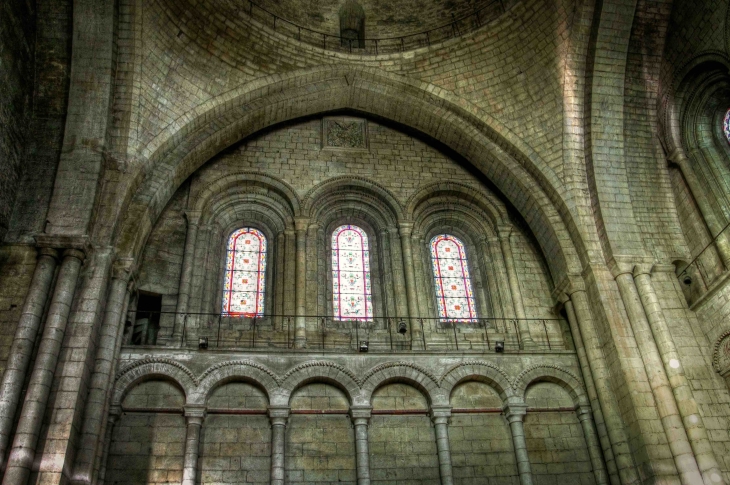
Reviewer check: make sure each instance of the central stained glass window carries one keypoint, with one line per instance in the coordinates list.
(243, 287)
(451, 277)
(726, 126)
(351, 289)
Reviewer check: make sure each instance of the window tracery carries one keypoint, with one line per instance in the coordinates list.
(452, 280)
(351, 287)
(245, 275)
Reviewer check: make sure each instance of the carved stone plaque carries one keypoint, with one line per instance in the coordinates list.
(344, 133)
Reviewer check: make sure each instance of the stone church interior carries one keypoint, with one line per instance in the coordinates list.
(404, 242)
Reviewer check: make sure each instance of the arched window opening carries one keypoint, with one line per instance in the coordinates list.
(243, 284)
(726, 125)
(351, 290)
(451, 277)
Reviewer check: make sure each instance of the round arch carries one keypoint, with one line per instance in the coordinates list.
(515, 169)
(154, 369)
(554, 374)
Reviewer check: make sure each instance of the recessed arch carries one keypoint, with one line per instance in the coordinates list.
(511, 164)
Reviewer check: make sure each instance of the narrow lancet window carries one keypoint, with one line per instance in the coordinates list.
(351, 274)
(451, 277)
(726, 126)
(243, 285)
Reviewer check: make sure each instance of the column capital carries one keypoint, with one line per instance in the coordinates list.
(619, 265)
(641, 269)
(278, 414)
(584, 411)
(192, 216)
(123, 268)
(60, 241)
(504, 231)
(301, 224)
(664, 268)
(115, 410)
(677, 156)
(440, 414)
(195, 414)
(361, 412)
(48, 252)
(515, 411)
(405, 229)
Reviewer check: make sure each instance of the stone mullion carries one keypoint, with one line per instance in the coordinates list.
(405, 230)
(607, 399)
(514, 285)
(419, 257)
(21, 350)
(387, 275)
(483, 260)
(213, 284)
(101, 379)
(681, 389)
(22, 454)
(194, 417)
(585, 416)
(515, 414)
(290, 260)
(399, 282)
(182, 325)
(322, 271)
(278, 285)
(300, 334)
(479, 281)
(200, 269)
(502, 293)
(278, 417)
(666, 406)
(591, 390)
(312, 269)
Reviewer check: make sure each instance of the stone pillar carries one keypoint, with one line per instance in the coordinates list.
(102, 379)
(405, 229)
(22, 453)
(440, 416)
(601, 377)
(21, 350)
(399, 282)
(300, 332)
(585, 416)
(194, 417)
(698, 192)
(580, 350)
(515, 414)
(114, 413)
(186, 277)
(278, 417)
(360, 418)
(514, 284)
(686, 404)
(671, 421)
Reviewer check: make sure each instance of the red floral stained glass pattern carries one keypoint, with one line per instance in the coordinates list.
(351, 291)
(243, 285)
(451, 277)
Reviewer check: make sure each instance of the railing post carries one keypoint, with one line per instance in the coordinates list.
(486, 334)
(390, 334)
(253, 332)
(423, 334)
(517, 331)
(456, 337)
(218, 338)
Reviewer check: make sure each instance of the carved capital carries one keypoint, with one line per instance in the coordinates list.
(60, 241)
(123, 269)
(192, 216)
(301, 224)
(405, 229)
(504, 231)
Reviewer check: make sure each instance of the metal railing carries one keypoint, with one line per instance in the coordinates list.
(384, 45)
(707, 265)
(221, 331)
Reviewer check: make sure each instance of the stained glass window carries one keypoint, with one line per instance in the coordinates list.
(451, 276)
(243, 287)
(726, 125)
(351, 274)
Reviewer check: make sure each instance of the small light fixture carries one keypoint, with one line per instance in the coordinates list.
(402, 327)
(499, 346)
(364, 345)
(203, 343)
(687, 280)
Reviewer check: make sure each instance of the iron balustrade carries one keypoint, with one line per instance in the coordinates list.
(380, 334)
(382, 45)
